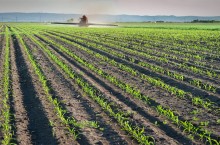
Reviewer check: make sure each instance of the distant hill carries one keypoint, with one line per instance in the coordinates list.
(53, 17)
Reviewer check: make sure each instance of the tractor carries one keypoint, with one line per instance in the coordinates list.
(83, 21)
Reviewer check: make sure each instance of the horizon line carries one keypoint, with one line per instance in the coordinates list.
(108, 14)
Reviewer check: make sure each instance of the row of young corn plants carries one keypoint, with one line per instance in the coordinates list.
(198, 131)
(205, 86)
(173, 90)
(71, 124)
(203, 134)
(184, 65)
(1, 28)
(6, 116)
(121, 117)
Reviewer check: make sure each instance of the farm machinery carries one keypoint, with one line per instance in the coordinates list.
(83, 23)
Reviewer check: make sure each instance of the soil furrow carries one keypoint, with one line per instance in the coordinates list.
(38, 122)
(21, 119)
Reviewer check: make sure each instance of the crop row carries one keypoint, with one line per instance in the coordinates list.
(1, 27)
(6, 120)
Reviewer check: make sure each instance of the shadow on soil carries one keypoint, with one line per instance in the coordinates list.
(39, 128)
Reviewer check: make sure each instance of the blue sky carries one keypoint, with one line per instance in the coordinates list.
(136, 7)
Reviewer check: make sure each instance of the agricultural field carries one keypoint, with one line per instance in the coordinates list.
(138, 85)
(167, 25)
